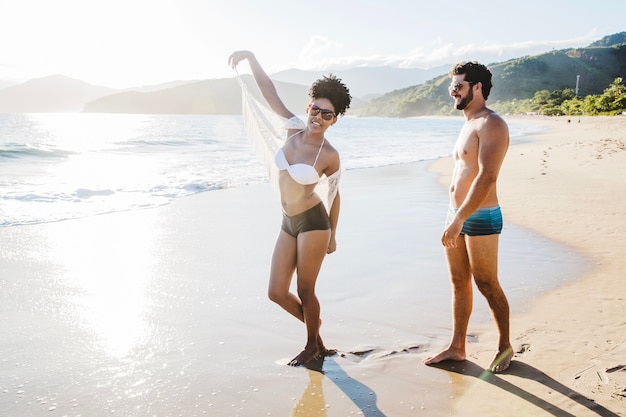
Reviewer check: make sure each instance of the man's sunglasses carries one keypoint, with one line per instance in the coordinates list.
(457, 86)
(326, 114)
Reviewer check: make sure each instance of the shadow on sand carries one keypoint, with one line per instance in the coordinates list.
(522, 370)
(312, 402)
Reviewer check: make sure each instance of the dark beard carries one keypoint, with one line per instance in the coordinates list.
(465, 100)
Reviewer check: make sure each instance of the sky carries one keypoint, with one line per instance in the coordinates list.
(127, 43)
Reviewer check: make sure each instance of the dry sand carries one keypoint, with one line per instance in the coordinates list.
(569, 186)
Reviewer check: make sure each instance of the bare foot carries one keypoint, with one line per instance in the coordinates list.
(306, 356)
(323, 350)
(446, 355)
(501, 361)
(328, 352)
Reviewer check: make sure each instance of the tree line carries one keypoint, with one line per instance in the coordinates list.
(567, 103)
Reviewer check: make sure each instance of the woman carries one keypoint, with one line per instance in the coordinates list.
(308, 229)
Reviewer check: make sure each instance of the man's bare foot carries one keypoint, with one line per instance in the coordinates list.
(306, 356)
(501, 361)
(448, 354)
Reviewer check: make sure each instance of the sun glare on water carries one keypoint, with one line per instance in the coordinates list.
(110, 265)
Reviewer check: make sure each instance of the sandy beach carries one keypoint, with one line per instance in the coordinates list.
(163, 312)
(567, 186)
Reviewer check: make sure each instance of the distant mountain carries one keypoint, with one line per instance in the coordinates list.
(157, 87)
(220, 96)
(611, 40)
(405, 92)
(56, 93)
(59, 93)
(5, 84)
(366, 82)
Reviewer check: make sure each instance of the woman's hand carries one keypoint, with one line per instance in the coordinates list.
(332, 246)
(238, 56)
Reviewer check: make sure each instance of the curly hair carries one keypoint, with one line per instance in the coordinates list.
(474, 72)
(331, 88)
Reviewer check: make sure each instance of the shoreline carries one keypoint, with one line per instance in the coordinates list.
(157, 299)
(571, 345)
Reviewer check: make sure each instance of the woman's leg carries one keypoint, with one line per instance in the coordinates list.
(311, 250)
(281, 272)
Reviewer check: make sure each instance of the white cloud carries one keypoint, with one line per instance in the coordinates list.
(322, 53)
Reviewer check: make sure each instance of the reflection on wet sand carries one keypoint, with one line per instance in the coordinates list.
(312, 403)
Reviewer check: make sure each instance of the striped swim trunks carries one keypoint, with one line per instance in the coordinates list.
(484, 221)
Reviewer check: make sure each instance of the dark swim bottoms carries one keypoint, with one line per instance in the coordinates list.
(314, 218)
(484, 221)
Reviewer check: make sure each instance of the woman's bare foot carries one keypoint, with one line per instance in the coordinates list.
(306, 356)
(448, 354)
(324, 351)
(501, 361)
(328, 352)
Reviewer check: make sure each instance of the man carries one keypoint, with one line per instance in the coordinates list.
(474, 219)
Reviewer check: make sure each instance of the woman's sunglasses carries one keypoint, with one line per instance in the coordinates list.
(326, 114)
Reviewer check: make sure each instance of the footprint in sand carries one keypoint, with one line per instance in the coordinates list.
(603, 377)
(521, 351)
(359, 355)
(616, 368)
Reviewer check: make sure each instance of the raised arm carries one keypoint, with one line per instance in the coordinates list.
(263, 81)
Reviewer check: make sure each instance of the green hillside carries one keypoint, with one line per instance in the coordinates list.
(597, 67)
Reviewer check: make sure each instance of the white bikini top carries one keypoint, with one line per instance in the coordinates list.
(301, 173)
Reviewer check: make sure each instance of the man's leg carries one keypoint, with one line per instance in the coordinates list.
(483, 255)
(461, 280)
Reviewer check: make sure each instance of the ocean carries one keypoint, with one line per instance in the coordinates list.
(57, 166)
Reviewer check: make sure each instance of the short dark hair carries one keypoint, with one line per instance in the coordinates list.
(474, 72)
(333, 89)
